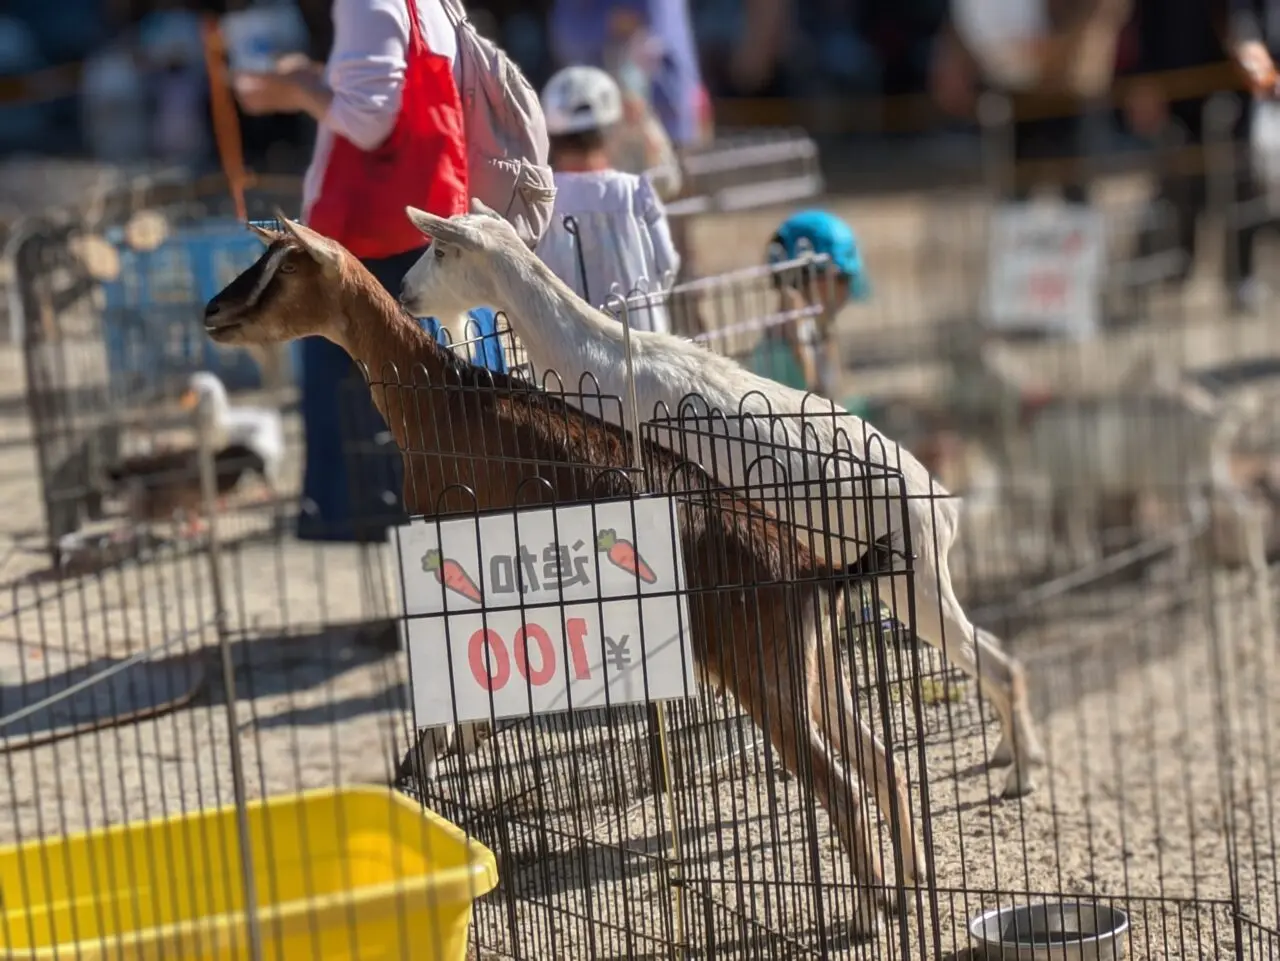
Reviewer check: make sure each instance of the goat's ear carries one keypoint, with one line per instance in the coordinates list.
(478, 206)
(321, 249)
(448, 230)
(429, 224)
(268, 237)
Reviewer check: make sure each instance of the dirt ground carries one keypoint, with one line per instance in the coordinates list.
(1154, 704)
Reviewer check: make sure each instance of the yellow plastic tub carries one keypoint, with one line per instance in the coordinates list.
(351, 873)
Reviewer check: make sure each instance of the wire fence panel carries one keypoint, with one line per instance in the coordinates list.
(111, 308)
(741, 170)
(669, 716)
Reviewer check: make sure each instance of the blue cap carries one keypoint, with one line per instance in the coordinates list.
(822, 232)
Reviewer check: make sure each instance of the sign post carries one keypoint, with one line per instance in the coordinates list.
(1044, 268)
(546, 610)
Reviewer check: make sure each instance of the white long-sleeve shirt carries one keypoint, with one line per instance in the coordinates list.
(365, 71)
(624, 236)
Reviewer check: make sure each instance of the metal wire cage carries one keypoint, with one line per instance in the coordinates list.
(620, 830)
(741, 170)
(111, 307)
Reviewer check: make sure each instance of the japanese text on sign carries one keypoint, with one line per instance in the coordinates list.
(1045, 268)
(545, 610)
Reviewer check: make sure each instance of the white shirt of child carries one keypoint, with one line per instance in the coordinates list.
(625, 240)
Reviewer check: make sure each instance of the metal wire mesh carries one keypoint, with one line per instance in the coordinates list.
(110, 309)
(1149, 659)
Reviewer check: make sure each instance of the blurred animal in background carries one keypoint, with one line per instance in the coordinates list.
(1159, 450)
(166, 486)
(258, 429)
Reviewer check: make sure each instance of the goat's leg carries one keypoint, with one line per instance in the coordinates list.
(769, 694)
(832, 706)
(943, 624)
(423, 758)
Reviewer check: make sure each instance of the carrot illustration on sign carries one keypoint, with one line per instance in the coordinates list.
(622, 554)
(452, 575)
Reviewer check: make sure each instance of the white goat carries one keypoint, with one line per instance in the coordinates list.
(1159, 445)
(478, 258)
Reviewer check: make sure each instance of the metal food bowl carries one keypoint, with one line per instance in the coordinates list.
(1052, 931)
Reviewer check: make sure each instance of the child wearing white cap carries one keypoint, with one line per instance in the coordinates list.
(610, 228)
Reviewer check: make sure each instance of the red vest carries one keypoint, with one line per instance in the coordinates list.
(422, 163)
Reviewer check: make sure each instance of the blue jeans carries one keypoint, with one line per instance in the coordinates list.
(353, 475)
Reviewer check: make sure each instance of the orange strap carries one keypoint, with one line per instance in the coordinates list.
(226, 125)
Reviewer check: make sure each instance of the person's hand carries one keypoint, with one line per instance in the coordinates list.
(1146, 108)
(264, 93)
(1259, 69)
(951, 80)
(297, 63)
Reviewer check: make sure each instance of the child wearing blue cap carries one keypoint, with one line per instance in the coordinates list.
(802, 354)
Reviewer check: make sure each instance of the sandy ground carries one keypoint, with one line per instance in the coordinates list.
(1154, 704)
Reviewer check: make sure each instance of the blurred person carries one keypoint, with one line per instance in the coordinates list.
(639, 143)
(803, 354)
(257, 34)
(1181, 34)
(607, 33)
(391, 134)
(66, 30)
(22, 126)
(618, 235)
(780, 48)
(113, 104)
(1027, 49)
(172, 53)
(596, 33)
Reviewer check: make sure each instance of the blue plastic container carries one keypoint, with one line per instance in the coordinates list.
(152, 317)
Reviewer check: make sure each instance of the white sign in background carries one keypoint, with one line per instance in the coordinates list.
(604, 618)
(1044, 268)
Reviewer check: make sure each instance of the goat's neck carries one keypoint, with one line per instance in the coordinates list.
(389, 345)
(552, 321)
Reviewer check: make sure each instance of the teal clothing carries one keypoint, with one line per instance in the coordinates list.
(774, 358)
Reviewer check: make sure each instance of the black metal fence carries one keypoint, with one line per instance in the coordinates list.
(1114, 543)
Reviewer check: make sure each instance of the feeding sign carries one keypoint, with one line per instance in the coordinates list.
(546, 609)
(1045, 268)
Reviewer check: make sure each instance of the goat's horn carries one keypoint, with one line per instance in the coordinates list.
(284, 221)
(431, 225)
(267, 236)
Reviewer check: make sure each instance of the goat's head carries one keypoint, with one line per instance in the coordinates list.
(457, 271)
(290, 292)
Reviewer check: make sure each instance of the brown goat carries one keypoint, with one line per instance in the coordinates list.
(758, 601)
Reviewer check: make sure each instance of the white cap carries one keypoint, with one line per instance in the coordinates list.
(580, 98)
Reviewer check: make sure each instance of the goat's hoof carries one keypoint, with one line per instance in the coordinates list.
(1002, 756)
(1019, 784)
(865, 923)
(1035, 752)
(887, 899)
(916, 871)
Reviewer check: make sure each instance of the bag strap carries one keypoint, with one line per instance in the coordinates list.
(456, 12)
(416, 40)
